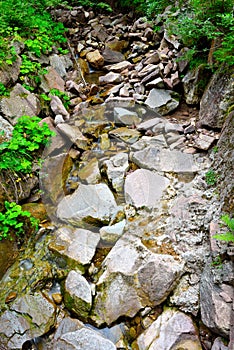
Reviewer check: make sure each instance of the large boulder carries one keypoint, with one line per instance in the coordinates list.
(89, 204)
(217, 98)
(162, 101)
(132, 278)
(20, 102)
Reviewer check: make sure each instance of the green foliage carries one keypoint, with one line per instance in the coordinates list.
(28, 137)
(95, 4)
(31, 70)
(62, 95)
(211, 177)
(15, 221)
(3, 90)
(217, 262)
(229, 235)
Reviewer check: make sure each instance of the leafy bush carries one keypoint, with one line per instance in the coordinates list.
(28, 136)
(227, 236)
(211, 177)
(15, 221)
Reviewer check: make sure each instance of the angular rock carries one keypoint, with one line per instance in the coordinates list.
(116, 168)
(132, 278)
(156, 83)
(61, 64)
(110, 78)
(125, 102)
(217, 98)
(194, 83)
(88, 204)
(149, 124)
(74, 134)
(111, 56)
(58, 107)
(52, 80)
(90, 172)
(219, 345)
(125, 134)
(95, 59)
(9, 73)
(77, 294)
(29, 316)
(216, 298)
(83, 339)
(119, 67)
(21, 102)
(162, 101)
(144, 188)
(125, 116)
(204, 142)
(110, 234)
(155, 158)
(171, 330)
(6, 128)
(75, 245)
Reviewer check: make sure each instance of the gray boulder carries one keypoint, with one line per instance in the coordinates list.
(126, 117)
(172, 330)
(88, 204)
(116, 168)
(20, 102)
(144, 188)
(162, 101)
(77, 294)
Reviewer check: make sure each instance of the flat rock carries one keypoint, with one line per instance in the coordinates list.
(83, 339)
(155, 158)
(125, 102)
(29, 316)
(77, 294)
(75, 245)
(162, 101)
(171, 330)
(74, 134)
(110, 78)
(132, 278)
(118, 67)
(111, 56)
(125, 134)
(20, 102)
(143, 188)
(52, 80)
(125, 116)
(204, 142)
(88, 204)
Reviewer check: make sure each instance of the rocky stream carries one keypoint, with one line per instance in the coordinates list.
(124, 257)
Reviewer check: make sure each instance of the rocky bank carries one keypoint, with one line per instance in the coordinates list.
(124, 257)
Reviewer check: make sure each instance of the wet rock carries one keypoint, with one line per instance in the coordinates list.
(133, 278)
(155, 158)
(75, 245)
(171, 330)
(58, 107)
(83, 339)
(20, 102)
(125, 116)
(110, 234)
(194, 83)
(74, 134)
(216, 298)
(52, 80)
(116, 168)
(144, 188)
(162, 101)
(204, 142)
(124, 102)
(95, 59)
(119, 67)
(77, 294)
(88, 204)
(61, 64)
(217, 98)
(125, 134)
(6, 128)
(29, 316)
(90, 172)
(110, 78)
(9, 73)
(112, 56)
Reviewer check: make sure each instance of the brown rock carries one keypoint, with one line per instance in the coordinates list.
(95, 59)
(111, 56)
(52, 80)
